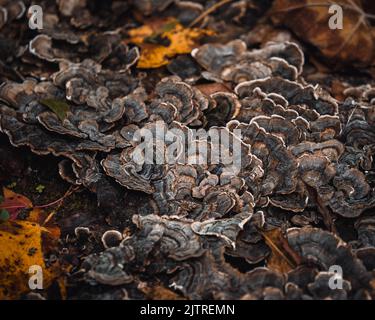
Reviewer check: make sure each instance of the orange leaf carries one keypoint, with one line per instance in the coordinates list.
(14, 203)
(308, 19)
(162, 39)
(35, 215)
(21, 248)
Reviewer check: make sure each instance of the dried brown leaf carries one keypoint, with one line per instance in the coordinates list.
(283, 258)
(308, 19)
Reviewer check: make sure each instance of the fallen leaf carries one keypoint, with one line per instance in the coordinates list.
(308, 19)
(162, 39)
(43, 218)
(14, 203)
(21, 248)
(23, 244)
(60, 108)
(158, 292)
(35, 216)
(283, 258)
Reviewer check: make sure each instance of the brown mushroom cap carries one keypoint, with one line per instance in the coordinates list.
(293, 92)
(232, 62)
(279, 164)
(325, 250)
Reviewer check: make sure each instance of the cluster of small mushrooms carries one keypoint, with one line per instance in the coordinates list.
(306, 157)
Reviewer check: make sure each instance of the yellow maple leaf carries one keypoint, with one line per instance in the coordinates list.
(179, 40)
(21, 248)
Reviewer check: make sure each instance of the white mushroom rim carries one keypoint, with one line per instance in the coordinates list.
(161, 145)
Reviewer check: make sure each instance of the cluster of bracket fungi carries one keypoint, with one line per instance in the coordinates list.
(306, 158)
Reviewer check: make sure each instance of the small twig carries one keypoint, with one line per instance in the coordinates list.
(60, 200)
(49, 217)
(209, 11)
(351, 114)
(67, 194)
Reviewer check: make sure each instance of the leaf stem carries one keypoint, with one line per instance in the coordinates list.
(58, 201)
(209, 11)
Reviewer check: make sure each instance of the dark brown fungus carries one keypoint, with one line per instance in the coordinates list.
(367, 256)
(178, 241)
(107, 267)
(11, 10)
(295, 93)
(295, 201)
(225, 108)
(365, 227)
(295, 147)
(358, 129)
(320, 288)
(279, 165)
(325, 250)
(249, 243)
(232, 61)
(214, 58)
(200, 278)
(188, 102)
(302, 275)
(128, 174)
(353, 194)
(225, 229)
